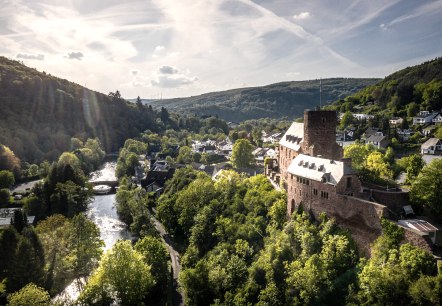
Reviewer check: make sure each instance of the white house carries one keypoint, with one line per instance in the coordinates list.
(396, 121)
(437, 119)
(424, 117)
(273, 138)
(432, 146)
(361, 117)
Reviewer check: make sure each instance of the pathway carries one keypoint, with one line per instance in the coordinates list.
(178, 296)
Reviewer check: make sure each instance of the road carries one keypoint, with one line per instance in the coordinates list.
(177, 296)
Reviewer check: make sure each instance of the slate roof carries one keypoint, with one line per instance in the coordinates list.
(376, 138)
(319, 169)
(293, 136)
(158, 177)
(430, 143)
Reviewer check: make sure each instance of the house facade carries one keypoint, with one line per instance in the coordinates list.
(432, 146)
(424, 117)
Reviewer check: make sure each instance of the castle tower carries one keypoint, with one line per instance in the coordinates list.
(320, 134)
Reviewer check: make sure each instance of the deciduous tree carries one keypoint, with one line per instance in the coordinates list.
(242, 153)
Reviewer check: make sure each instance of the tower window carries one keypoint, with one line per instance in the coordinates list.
(348, 182)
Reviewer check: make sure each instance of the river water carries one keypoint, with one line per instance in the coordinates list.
(102, 211)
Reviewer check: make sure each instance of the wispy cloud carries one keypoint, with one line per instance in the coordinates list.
(301, 16)
(192, 46)
(38, 57)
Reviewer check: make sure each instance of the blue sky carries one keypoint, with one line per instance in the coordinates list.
(175, 48)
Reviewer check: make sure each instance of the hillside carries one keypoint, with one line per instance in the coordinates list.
(287, 99)
(40, 113)
(402, 93)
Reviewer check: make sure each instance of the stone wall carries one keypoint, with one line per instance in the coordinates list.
(417, 239)
(394, 200)
(360, 217)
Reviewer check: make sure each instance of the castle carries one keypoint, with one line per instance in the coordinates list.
(317, 178)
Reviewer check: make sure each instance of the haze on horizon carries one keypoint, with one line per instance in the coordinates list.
(180, 48)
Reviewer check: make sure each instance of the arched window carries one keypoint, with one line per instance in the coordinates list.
(292, 208)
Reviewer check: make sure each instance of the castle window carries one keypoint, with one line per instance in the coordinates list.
(308, 182)
(315, 192)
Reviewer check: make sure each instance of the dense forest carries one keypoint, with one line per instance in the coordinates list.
(286, 99)
(40, 113)
(403, 93)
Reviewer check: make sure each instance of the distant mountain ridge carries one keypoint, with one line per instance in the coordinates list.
(285, 99)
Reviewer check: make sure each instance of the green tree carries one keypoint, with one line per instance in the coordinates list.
(185, 155)
(415, 165)
(122, 277)
(135, 146)
(155, 255)
(27, 266)
(438, 132)
(85, 245)
(54, 233)
(358, 154)
(376, 164)
(432, 95)
(346, 120)
(242, 154)
(426, 189)
(31, 294)
(6, 179)
(19, 220)
(8, 160)
(76, 144)
(427, 290)
(8, 244)
(5, 197)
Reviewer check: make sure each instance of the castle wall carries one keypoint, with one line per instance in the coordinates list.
(360, 217)
(393, 200)
(286, 156)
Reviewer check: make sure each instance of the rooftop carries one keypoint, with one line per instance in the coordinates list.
(319, 169)
(293, 137)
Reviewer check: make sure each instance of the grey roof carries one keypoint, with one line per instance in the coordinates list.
(371, 131)
(376, 138)
(430, 143)
(319, 169)
(293, 136)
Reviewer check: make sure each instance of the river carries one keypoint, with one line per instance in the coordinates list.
(103, 213)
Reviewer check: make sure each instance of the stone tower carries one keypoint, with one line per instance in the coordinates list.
(320, 134)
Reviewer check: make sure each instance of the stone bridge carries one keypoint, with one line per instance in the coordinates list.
(112, 184)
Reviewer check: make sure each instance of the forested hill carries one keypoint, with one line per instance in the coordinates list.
(39, 114)
(287, 99)
(402, 93)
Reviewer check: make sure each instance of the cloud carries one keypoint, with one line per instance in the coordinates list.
(159, 48)
(167, 70)
(383, 26)
(75, 55)
(134, 72)
(301, 16)
(38, 57)
(171, 77)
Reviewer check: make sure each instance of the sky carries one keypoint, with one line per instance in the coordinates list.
(177, 48)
